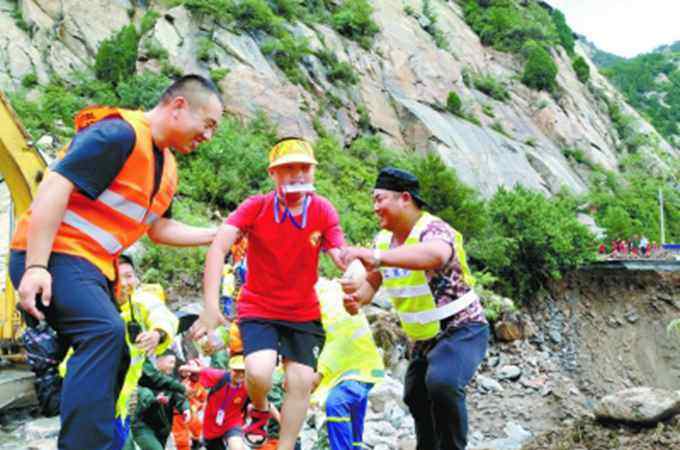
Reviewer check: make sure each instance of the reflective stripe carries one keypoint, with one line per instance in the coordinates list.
(437, 314)
(151, 218)
(361, 332)
(103, 238)
(408, 291)
(337, 419)
(124, 206)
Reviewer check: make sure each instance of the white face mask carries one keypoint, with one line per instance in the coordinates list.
(297, 188)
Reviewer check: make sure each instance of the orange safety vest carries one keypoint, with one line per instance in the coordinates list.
(99, 230)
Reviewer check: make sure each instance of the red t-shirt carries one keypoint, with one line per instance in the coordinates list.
(229, 399)
(283, 260)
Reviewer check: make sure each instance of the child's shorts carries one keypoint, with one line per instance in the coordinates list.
(301, 342)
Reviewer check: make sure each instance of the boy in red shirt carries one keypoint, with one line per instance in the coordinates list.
(278, 311)
(223, 417)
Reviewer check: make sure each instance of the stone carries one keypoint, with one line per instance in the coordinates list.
(632, 316)
(555, 336)
(376, 433)
(390, 390)
(508, 330)
(509, 372)
(45, 141)
(43, 444)
(488, 384)
(43, 428)
(407, 443)
(642, 405)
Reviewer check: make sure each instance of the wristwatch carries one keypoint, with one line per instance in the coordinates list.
(376, 257)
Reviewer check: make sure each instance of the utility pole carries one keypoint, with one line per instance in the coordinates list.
(663, 234)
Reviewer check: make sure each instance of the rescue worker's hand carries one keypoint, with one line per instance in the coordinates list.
(365, 255)
(148, 341)
(352, 304)
(187, 415)
(206, 322)
(37, 281)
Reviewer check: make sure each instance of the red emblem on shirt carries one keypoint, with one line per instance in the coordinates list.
(315, 238)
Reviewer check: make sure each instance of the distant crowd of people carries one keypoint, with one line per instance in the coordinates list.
(636, 247)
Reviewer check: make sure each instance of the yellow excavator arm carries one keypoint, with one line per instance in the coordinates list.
(22, 167)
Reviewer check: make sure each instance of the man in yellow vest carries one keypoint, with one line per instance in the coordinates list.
(420, 262)
(114, 185)
(349, 366)
(150, 330)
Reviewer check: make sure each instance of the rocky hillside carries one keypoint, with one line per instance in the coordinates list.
(317, 74)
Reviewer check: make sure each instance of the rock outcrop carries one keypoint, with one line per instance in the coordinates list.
(403, 83)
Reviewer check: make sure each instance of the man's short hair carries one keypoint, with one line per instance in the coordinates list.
(126, 259)
(191, 87)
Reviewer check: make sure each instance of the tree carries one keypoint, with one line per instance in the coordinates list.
(540, 71)
(582, 69)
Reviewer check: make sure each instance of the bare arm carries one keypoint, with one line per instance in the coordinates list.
(177, 234)
(47, 212)
(424, 256)
(211, 316)
(337, 256)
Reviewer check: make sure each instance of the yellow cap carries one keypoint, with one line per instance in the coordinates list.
(237, 362)
(291, 150)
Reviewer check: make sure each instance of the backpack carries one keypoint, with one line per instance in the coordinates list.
(44, 353)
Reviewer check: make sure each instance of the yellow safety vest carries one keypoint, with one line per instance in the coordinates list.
(349, 352)
(228, 281)
(410, 292)
(152, 314)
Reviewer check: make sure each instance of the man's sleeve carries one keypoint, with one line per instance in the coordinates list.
(96, 155)
(244, 216)
(333, 237)
(210, 377)
(153, 378)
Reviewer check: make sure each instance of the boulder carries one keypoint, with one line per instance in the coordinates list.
(641, 405)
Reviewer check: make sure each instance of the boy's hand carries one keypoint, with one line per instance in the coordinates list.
(162, 399)
(206, 322)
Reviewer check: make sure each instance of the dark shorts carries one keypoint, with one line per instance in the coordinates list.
(221, 443)
(301, 342)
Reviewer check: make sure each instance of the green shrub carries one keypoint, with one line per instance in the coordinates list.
(498, 126)
(288, 9)
(488, 110)
(489, 85)
(563, 31)
(338, 71)
(540, 71)
(154, 50)
(30, 80)
(582, 69)
(117, 56)
(148, 21)
(506, 26)
(530, 239)
(454, 103)
(218, 9)
(217, 75)
(254, 15)
(141, 91)
(287, 52)
(432, 27)
(353, 19)
(448, 197)
(205, 49)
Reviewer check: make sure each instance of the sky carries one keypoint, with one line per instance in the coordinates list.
(623, 27)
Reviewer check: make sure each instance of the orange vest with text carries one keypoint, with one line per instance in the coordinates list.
(99, 230)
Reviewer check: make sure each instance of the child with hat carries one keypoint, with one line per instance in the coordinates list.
(278, 310)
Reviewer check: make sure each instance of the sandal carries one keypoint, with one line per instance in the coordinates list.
(254, 432)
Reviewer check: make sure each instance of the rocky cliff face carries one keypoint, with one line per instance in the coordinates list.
(404, 80)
